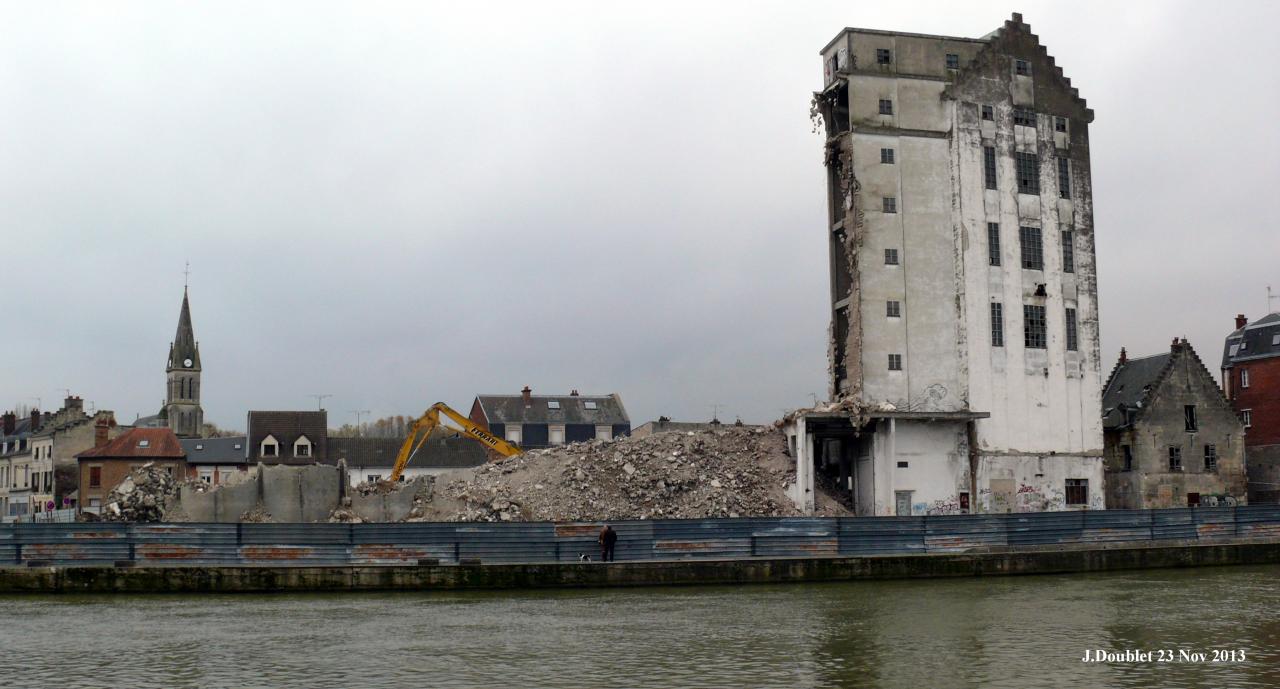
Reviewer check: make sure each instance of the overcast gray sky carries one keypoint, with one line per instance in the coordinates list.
(399, 203)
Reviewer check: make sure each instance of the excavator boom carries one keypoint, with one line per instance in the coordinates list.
(430, 420)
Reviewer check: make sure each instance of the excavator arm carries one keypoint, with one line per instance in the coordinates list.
(430, 421)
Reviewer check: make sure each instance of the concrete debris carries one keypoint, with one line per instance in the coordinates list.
(714, 473)
(257, 515)
(143, 496)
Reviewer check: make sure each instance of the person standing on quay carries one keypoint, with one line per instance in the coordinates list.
(608, 537)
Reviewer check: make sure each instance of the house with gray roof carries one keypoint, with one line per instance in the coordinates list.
(1251, 380)
(1171, 437)
(288, 437)
(216, 460)
(533, 421)
(371, 459)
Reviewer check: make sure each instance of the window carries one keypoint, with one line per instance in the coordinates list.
(1032, 248)
(1024, 117)
(1068, 252)
(903, 465)
(886, 106)
(989, 166)
(95, 477)
(895, 362)
(555, 435)
(1244, 377)
(997, 324)
(144, 443)
(886, 156)
(883, 56)
(1022, 68)
(374, 478)
(604, 432)
(1189, 417)
(1246, 415)
(1127, 458)
(988, 113)
(1210, 457)
(269, 448)
(1060, 124)
(890, 204)
(302, 450)
(1073, 343)
(1033, 327)
(1175, 458)
(993, 243)
(1077, 491)
(553, 404)
(953, 61)
(1064, 178)
(589, 405)
(1243, 345)
(1028, 168)
(891, 257)
(893, 309)
(513, 433)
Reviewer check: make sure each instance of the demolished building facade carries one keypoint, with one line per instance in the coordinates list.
(964, 354)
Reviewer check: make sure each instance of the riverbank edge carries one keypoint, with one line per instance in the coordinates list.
(282, 578)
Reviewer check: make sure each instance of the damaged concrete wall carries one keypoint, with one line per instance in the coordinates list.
(1037, 483)
(926, 463)
(225, 503)
(301, 493)
(391, 506)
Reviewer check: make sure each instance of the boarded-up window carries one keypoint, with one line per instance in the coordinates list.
(1077, 491)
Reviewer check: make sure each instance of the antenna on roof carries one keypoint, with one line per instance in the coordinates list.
(715, 411)
(1269, 298)
(320, 400)
(358, 413)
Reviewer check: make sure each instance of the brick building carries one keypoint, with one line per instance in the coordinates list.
(105, 465)
(1172, 439)
(1251, 380)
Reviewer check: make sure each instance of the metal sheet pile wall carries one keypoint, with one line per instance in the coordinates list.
(451, 543)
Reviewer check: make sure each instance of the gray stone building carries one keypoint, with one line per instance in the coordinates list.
(964, 355)
(1172, 439)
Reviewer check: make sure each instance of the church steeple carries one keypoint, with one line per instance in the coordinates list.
(182, 400)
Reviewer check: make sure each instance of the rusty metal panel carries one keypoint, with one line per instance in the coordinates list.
(299, 543)
(1113, 526)
(72, 543)
(1215, 523)
(961, 532)
(881, 535)
(184, 543)
(8, 546)
(1045, 528)
(1258, 521)
(1173, 524)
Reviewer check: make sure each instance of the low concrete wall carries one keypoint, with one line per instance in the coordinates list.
(301, 493)
(391, 507)
(223, 504)
(243, 579)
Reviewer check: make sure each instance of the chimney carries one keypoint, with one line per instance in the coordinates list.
(1174, 346)
(35, 419)
(1241, 321)
(73, 403)
(100, 429)
(527, 394)
(1124, 356)
(574, 393)
(10, 422)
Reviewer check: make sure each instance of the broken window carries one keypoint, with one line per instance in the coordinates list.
(883, 56)
(1246, 415)
(1077, 491)
(842, 341)
(895, 362)
(1210, 457)
(1032, 247)
(988, 113)
(993, 243)
(1028, 166)
(989, 166)
(1033, 327)
(1022, 68)
(1189, 417)
(1024, 117)
(893, 309)
(1060, 124)
(1072, 341)
(1175, 458)
(997, 324)
(886, 156)
(1068, 252)
(1127, 458)
(1244, 377)
(890, 204)
(886, 106)
(1064, 178)
(891, 257)
(953, 61)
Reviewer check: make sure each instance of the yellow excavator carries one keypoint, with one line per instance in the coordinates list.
(430, 421)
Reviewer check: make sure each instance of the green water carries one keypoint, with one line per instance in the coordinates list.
(997, 632)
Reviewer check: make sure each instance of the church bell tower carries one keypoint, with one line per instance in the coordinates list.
(182, 402)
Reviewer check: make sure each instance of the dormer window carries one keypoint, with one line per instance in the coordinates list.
(302, 447)
(270, 447)
(199, 446)
(553, 404)
(589, 405)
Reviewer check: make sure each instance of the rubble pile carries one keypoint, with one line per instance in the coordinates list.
(143, 496)
(733, 472)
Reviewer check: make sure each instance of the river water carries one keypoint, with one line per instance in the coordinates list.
(995, 632)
